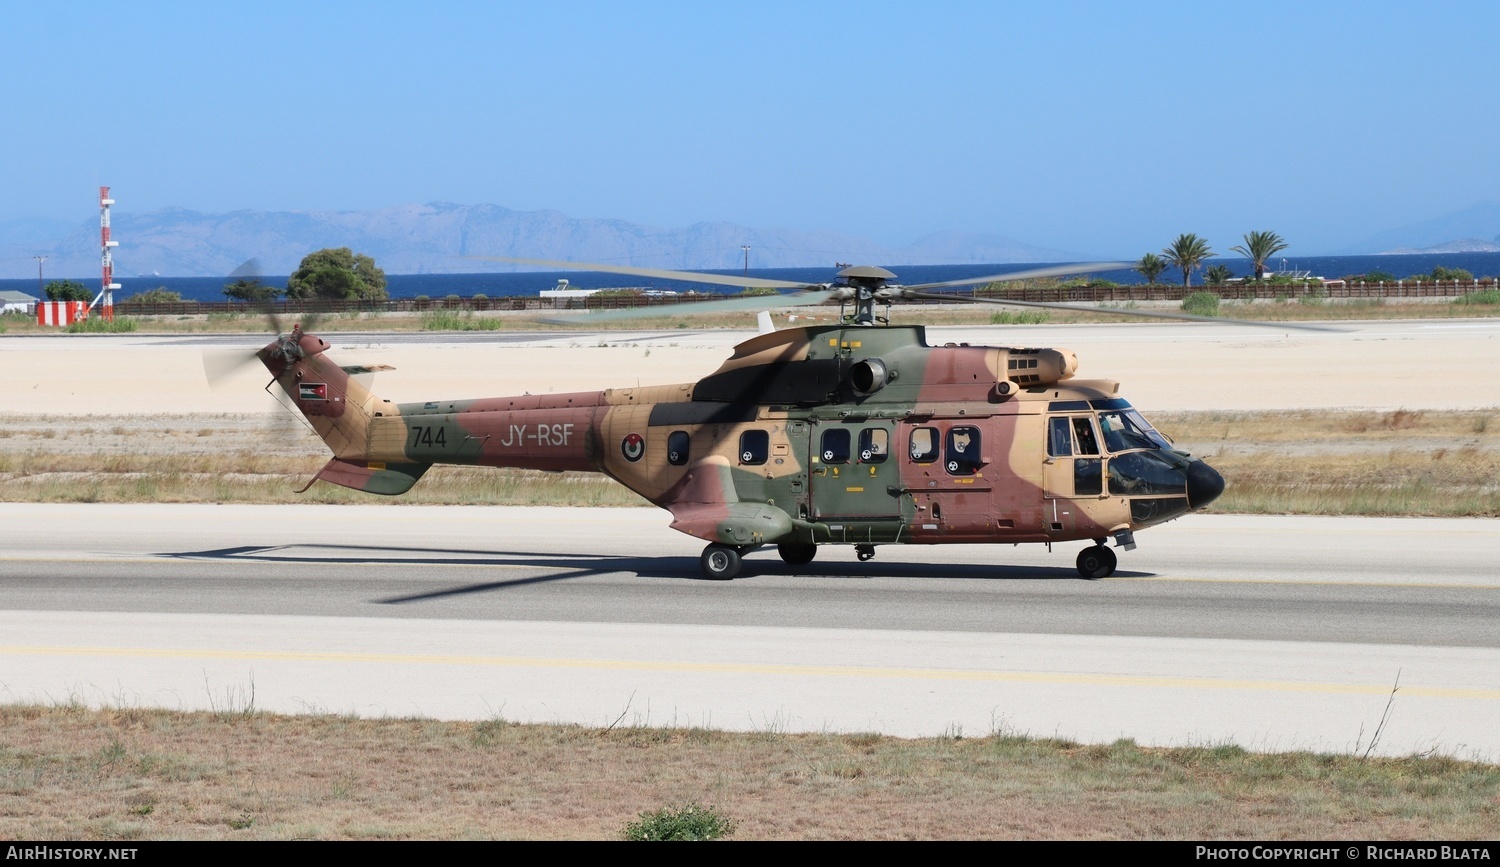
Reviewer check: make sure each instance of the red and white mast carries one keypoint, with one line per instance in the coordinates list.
(106, 259)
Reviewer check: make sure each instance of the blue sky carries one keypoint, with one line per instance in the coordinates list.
(1105, 128)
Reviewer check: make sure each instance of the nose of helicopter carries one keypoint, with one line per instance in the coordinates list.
(1204, 484)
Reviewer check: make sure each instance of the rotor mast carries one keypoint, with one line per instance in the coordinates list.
(864, 286)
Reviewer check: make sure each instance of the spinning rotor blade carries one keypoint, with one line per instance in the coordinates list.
(754, 302)
(221, 365)
(658, 273)
(1115, 311)
(1031, 274)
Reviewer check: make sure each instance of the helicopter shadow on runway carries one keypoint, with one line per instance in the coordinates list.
(571, 566)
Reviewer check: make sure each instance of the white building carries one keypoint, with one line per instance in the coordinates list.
(17, 302)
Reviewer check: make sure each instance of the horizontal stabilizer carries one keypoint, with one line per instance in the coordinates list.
(372, 477)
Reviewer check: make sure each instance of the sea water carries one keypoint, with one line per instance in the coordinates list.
(501, 285)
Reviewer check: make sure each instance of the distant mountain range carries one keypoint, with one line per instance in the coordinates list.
(436, 239)
(1459, 232)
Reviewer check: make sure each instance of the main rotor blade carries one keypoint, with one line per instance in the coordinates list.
(754, 302)
(1116, 311)
(658, 273)
(1031, 274)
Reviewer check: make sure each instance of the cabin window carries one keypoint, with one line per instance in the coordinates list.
(874, 445)
(677, 447)
(1059, 438)
(924, 445)
(962, 457)
(836, 446)
(1083, 429)
(754, 446)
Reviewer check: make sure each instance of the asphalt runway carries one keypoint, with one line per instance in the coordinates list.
(1273, 633)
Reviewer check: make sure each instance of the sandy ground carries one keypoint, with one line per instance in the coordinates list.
(1418, 364)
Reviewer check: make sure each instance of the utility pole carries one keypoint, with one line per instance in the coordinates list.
(40, 287)
(746, 248)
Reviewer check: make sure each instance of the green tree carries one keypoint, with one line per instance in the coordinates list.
(1259, 247)
(1186, 254)
(67, 290)
(251, 289)
(1150, 266)
(1217, 275)
(159, 295)
(337, 273)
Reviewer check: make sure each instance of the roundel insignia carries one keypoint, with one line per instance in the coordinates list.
(632, 447)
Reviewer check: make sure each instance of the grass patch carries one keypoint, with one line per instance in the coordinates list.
(1201, 304)
(1021, 317)
(1489, 297)
(100, 325)
(454, 320)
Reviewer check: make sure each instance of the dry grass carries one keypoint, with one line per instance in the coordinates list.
(1334, 463)
(1394, 463)
(72, 773)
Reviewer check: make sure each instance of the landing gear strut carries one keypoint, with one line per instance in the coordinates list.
(1096, 562)
(864, 552)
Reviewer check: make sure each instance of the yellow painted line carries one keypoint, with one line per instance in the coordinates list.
(847, 671)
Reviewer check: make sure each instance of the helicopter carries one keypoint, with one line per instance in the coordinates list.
(858, 433)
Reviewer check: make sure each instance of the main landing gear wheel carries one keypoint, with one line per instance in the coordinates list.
(797, 553)
(864, 552)
(720, 562)
(1096, 562)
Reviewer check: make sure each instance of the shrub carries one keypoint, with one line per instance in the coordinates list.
(1441, 273)
(1201, 304)
(690, 822)
(1316, 295)
(159, 295)
(757, 291)
(1371, 277)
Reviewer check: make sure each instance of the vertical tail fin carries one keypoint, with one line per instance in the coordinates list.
(340, 408)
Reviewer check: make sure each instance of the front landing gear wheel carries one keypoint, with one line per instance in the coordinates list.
(720, 562)
(796, 553)
(1096, 562)
(864, 552)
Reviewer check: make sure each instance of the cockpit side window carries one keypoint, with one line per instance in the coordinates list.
(1059, 438)
(1083, 429)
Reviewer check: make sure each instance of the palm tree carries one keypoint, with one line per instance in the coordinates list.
(1259, 247)
(1150, 267)
(1218, 275)
(1186, 254)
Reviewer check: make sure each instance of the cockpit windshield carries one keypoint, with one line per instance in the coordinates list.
(1125, 430)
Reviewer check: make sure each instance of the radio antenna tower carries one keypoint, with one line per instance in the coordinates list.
(106, 258)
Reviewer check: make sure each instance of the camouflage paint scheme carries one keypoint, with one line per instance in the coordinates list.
(834, 434)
